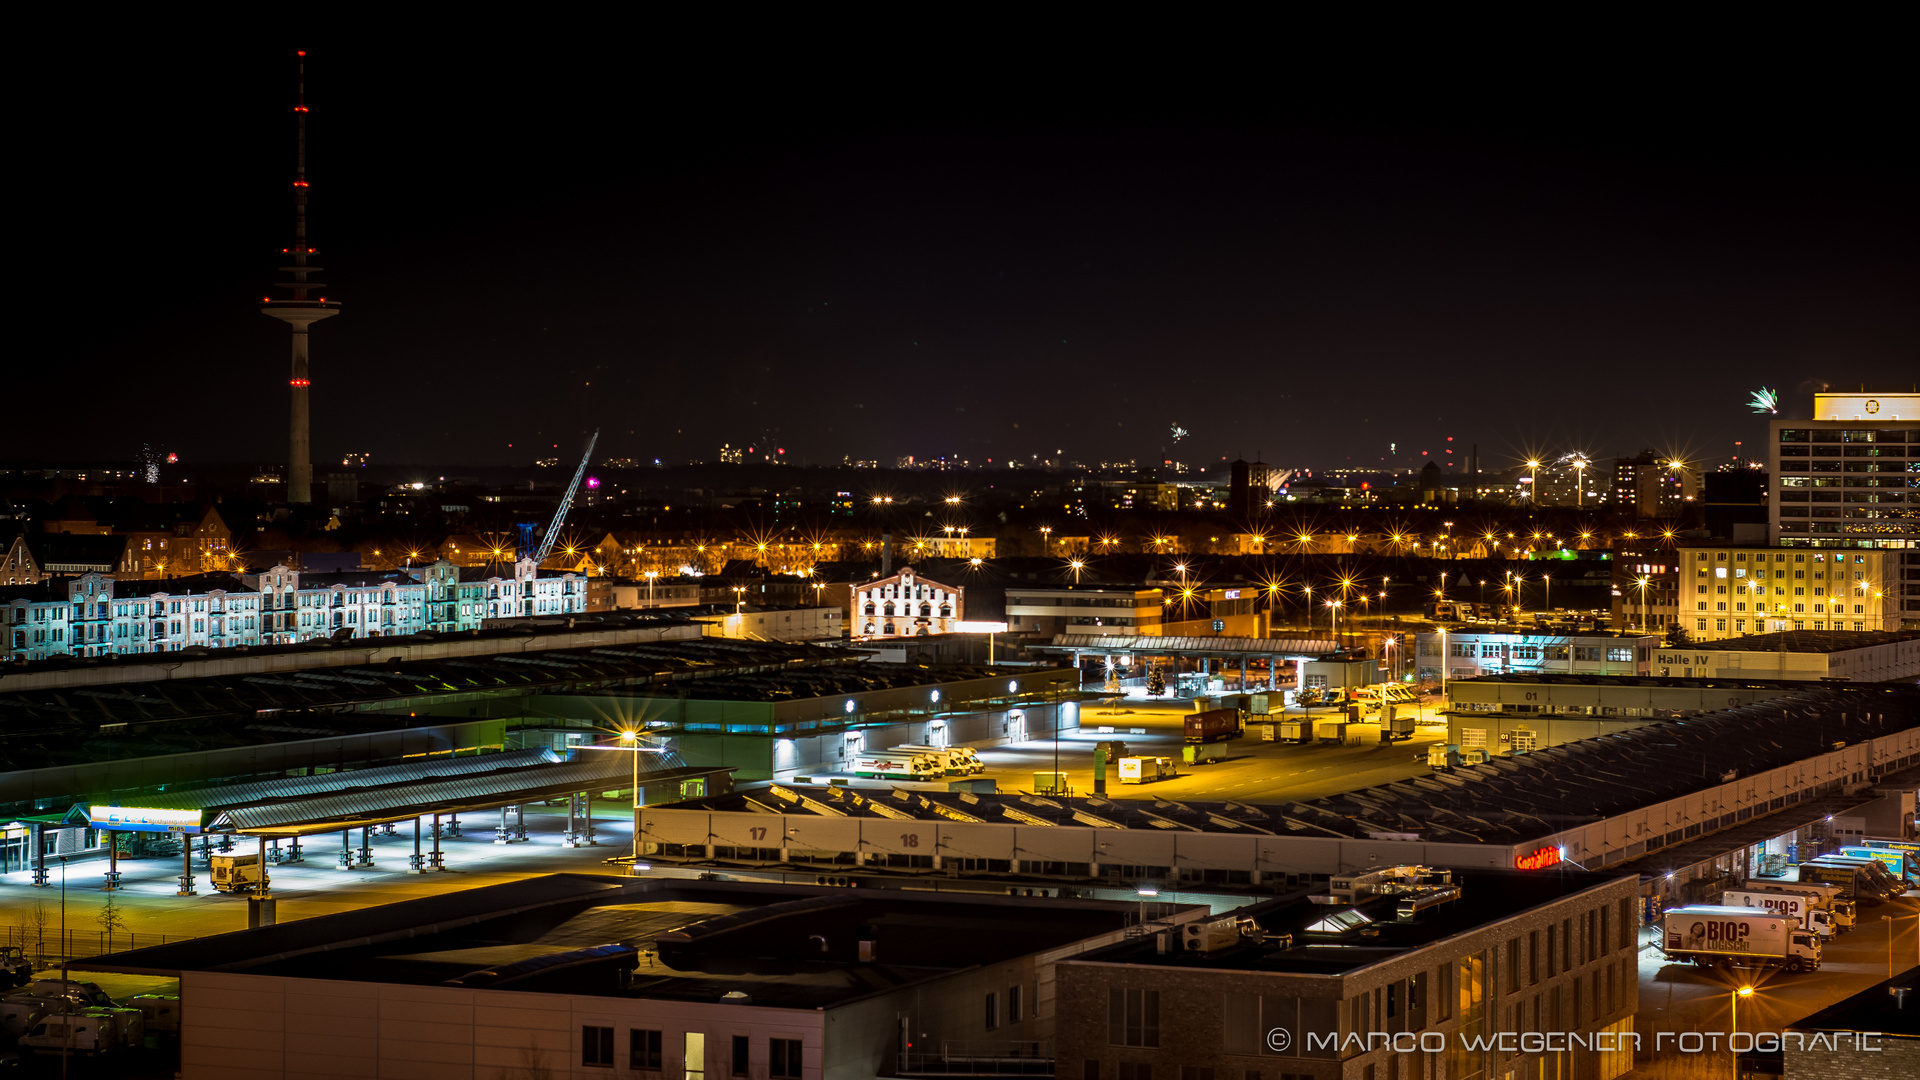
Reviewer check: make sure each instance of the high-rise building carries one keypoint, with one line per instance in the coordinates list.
(306, 307)
(1850, 478)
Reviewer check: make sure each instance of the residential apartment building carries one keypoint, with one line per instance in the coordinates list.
(1728, 591)
(1469, 654)
(1073, 610)
(94, 615)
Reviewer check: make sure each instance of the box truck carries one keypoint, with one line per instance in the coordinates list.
(1714, 935)
(1826, 897)
(1213, 725)
(1145, 770)
(235, 873)
(1910, 847)
(1811, 915)
(1857, 879)
(1897, 862)
(896, 765)
(954, 760)
(1890, 884)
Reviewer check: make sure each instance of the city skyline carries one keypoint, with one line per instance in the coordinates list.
(997, 274)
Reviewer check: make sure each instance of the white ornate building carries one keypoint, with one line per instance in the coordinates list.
(906, 605)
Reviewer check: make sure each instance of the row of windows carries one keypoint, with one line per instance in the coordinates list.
(1740, 625)
(1848, 435)
(646, 1052)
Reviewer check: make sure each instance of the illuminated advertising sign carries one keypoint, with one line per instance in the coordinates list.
(1538, 860)
(138, 819)
(979, 628)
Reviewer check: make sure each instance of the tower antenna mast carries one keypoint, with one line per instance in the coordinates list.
(305, 308)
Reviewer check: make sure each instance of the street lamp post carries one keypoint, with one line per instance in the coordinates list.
(632, 738)
(1734, 1005)
(651, 574)
(1579, 483)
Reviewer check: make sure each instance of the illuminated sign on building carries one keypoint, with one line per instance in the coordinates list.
(138, 819)
(979, 628)
(1538, 860)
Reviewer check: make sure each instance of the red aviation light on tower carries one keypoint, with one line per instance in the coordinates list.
(300, 382)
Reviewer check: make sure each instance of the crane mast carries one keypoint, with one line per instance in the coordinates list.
(552, 534)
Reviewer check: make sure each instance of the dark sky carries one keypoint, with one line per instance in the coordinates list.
(874, 249)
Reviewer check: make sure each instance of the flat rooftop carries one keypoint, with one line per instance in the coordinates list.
(1507, 800)
(1336, 939)
(1808, 641)
(783, 946)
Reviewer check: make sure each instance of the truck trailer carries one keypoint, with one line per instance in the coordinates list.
(1714, 935)
(897, 765)
(954, 760)
(1212, 725)
(1897, 862)
(1855, 879)
(1811, 915)
(1910, 847)
(1886, 881)
(1826, 897)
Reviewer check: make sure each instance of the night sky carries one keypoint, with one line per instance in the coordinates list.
(991, 252)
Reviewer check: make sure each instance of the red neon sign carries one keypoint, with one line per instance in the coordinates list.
(1538, 860)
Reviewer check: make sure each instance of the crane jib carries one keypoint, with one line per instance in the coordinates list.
(566, 503)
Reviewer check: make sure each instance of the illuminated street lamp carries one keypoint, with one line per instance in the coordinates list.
(650, 575)
(1533, 481)
(1580, 482)
(1733, 1001)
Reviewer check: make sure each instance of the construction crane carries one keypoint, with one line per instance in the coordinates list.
(552, 534)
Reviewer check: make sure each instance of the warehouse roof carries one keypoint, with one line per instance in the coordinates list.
(1302, 936)
(1807, 641)
(40, 728)
(783, 946)
(1507, 800)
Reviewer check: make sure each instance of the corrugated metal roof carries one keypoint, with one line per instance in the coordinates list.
(437, 768)
(1209, 645)
(592, 772)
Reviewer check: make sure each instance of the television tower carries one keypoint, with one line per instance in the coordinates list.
(300, 312)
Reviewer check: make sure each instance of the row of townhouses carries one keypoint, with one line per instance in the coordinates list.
(92, 614)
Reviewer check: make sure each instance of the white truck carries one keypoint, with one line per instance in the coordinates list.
(235, 873)
(1145, 770)
(1828, 898)
(1811, 915)
(94, 1032)
(954, 760)
(160, 1012)
(1714, 935)
(897, 765)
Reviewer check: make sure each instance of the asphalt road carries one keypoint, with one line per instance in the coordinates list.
(1253, 771)
(1681, 997)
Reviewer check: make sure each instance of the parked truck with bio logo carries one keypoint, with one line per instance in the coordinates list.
(1825, 897)
(1714, 935)
(1811, 915)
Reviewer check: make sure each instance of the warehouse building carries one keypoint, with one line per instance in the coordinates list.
(703, 978)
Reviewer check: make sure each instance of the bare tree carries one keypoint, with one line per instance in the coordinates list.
(533, 1064)
(39, 917)
(110, 919)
